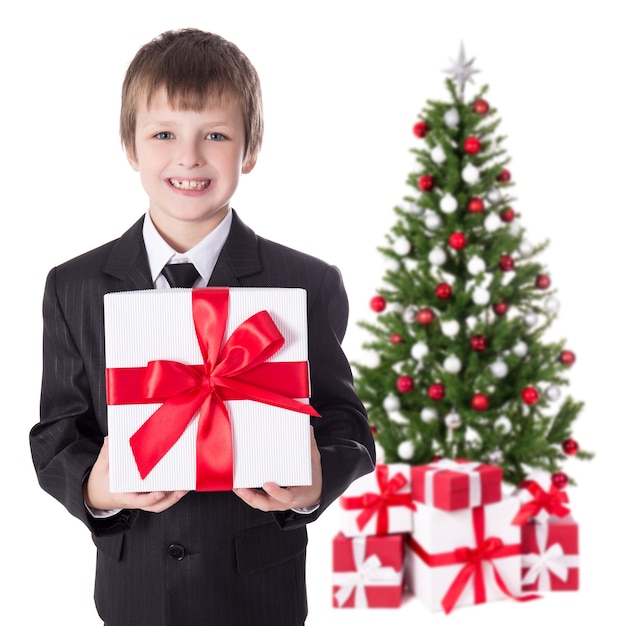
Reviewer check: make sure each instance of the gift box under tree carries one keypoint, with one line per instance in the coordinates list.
(540, 499)
(464, 557)
(368, 571)
(456, 484)
(207, 388)
(378, 503)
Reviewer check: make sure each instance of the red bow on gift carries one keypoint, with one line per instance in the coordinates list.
(551, 501)
(472, 560)
(373, 503)
(235, 371)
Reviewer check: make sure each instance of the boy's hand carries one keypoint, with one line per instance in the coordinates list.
(276, 498)
(97, 494)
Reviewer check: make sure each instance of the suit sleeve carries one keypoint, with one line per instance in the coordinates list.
(66, 441)
(343, 434)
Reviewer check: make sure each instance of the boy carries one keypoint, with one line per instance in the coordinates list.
(191, 123)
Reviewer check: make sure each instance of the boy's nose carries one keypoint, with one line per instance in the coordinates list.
(190, 155)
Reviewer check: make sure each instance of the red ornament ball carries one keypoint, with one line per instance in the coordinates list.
(530, 395)
(420, 129)
(378, 304)
(425, 316)
(481, 106)
(480, 402)
(478, 342)
(507, 214)
(373, 431)
(472, 145)
(560, 480)
(395, 339)
(437, 391)
(475, 205)
(504, 176)
(426, 182)
(506, 263)
(567, 357)
(542, 281)
(457, 240)
(404, 384)
(443, 291)
(570, 446)
(500, 308)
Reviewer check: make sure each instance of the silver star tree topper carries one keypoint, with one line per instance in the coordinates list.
(462, 70)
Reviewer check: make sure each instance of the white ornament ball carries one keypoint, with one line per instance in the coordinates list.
(451, 118)
(503, 424)
(398, 418)
(530, 319)
(438, 155)
(450, 328)
(401, 246)
(553, 393)
(419, 350)
(499, 369)
(495, 457)
(470, 174)
(492, 223)
(406, 450)
(520, 349)
(476, 265)
(470, 322)
(448, 203)
(391, 403)
(551, 305)
(393, 265)
(437, 256)
(493, 196)
(453, 420)
(432, 221)
(371, 359)
(416, 209)
(481, 296)
(452, 364)
(408, 315)
(514, 227)
(428, 414)
(525, 247)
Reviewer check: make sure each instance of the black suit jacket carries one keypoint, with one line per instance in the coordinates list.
(210, 559)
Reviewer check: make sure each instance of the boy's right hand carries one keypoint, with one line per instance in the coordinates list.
(97, 495)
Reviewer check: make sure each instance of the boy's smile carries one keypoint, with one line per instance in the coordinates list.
(189, 162)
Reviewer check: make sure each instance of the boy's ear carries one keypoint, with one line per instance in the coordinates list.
(248, 165)
(132, 159)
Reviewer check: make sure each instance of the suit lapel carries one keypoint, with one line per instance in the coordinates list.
(128, 261)
(239, 257)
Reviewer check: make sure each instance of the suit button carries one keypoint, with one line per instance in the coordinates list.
(176, 552)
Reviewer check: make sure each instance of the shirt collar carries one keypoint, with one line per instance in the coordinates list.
(203, 255)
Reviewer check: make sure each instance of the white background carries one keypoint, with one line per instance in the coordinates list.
(343, 83)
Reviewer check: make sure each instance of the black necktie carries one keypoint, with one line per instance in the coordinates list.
(180, 274)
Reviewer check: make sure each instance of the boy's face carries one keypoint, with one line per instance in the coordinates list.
(189, 163)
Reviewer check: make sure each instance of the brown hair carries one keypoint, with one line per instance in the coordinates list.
(192, 65)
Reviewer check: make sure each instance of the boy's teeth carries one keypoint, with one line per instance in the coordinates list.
(189, 184)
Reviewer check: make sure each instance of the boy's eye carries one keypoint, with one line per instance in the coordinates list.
(215, 137)
(163, 135)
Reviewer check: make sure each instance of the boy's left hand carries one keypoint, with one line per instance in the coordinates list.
(276, 498)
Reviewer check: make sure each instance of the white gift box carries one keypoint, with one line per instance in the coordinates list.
(378, 503)
(269, 443)
(539, 499)
(441, 556)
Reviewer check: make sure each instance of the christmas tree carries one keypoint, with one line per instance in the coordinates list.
(461, 364)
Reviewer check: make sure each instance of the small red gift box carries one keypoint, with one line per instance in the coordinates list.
(550, 555)
(368, 571)
(451, 485)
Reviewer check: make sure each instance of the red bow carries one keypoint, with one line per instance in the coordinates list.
(236, 370)
(551, 501)
(373, 503)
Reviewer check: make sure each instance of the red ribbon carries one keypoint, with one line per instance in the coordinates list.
(373, 503)
(234, 371)
(551, 501)
(471, 559)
